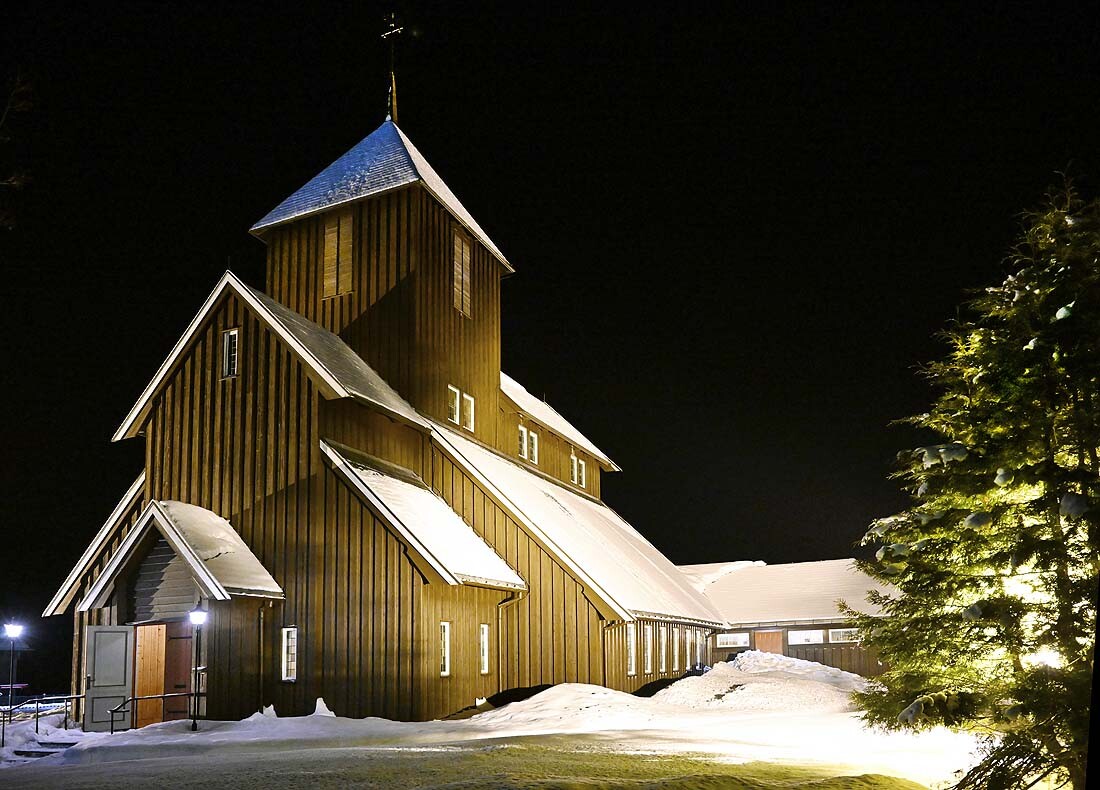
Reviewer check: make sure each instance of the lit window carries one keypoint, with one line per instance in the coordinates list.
(467, 412)
(732, 640)
(522, 442)
(533, 447)
(843, 634)
(814, 637)
(631, 658)
(444, 649)
(647, 647)
(572, 467)
(461, 272)
(689, 636)
(483, 641)
(675, 648)
(701, 641)
(337, 263)
(290, 653)
(229, 353)
(453, 396)
(582, 478)
(662, 648)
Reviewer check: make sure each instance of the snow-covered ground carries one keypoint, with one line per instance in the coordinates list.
(764, 707)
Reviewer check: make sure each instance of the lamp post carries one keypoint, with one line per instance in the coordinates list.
(12, 631)
(198, 618)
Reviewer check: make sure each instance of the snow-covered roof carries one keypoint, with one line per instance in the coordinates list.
(543, 413)
(747, 593)
(341, 371)
(605, 553)
(702, 576)
(426, 523)
(220, 562)
(383, 160)
(64, 595)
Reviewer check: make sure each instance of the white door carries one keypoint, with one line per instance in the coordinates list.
(109, 662)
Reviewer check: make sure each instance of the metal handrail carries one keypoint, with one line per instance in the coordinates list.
(118, 708)
(53, 699)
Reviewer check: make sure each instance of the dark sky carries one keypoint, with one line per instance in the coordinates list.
(735, 236)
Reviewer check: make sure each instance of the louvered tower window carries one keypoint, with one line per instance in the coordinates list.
(462, 279)
(338, 246)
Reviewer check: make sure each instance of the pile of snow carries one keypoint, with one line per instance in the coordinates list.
(20, 734)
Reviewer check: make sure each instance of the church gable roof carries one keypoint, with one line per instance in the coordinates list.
(341, 372)
(382, 161)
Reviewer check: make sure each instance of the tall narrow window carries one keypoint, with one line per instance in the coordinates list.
(572, 467)
(689, 647)
(467, 412)
(338, 245)
(701, 640)
(675, 648)
(533, 447)
(444, 649)
(662, 648)
(582, 478)
(631, 657)
(483, 642)
(453, 398)
(462, 272)
(647, 647)
(522, 442)
(290, 653)
(229, 353)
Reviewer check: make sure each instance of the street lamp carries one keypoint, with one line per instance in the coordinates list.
(198, 619)
(12, 631)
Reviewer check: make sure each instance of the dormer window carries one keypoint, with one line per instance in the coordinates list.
(582, 478)
(338, 246)
(522, 442)
(462, 279)
(528, 445)
(453, 400)
(572, 467)
(577, 475)
(229, 353)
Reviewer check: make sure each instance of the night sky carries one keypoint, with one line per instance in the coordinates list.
(735, 236)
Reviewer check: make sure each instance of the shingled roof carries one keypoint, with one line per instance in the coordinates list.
(382, 161)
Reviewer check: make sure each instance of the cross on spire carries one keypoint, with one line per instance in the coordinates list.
(393, 30)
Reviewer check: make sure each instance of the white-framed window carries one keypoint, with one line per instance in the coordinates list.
(731, 640)
(462, 278)
(483, 648)
(522, 442)
(811, 637)
(662, 648)
(453, 399)
(689, 646)
(290, 653)
(701, 649)
(444, 649)
(675, 648)
(533, 447)
(230, 339)
(467, 411)
(631, 652)
(647, 647)
(843, 634)
(572, 467)
(582, 478)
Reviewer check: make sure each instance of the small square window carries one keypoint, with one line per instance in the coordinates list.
(533, 447)
(290, 654)
(467, 412)
(453, 396)
(230, 339)
(522, 442)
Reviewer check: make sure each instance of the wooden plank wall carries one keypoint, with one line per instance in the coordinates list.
(849, 656)
(677, 660)
(553, 450)
(553, 632)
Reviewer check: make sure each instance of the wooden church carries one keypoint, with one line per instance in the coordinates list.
(367, 508)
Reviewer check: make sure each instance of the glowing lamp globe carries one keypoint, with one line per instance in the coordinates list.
(198, 616)
(12, 630)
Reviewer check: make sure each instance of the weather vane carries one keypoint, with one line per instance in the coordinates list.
(393, 29)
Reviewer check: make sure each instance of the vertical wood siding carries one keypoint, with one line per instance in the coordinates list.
(614, 638)
(553, 450)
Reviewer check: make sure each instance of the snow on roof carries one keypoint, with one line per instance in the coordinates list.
(341, 370)
(543, 413)
(703, 575)
(747, 593)
(383, 160)
(604, 551)
(425, 521)
(219, 560)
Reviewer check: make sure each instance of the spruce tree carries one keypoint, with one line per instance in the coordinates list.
(991, 624)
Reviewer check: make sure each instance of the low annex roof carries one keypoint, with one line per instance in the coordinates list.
(752, 592)
(607, 555)
(331, 360)
(382, 161)
(220, 562)
(543, 413)
(426, 523)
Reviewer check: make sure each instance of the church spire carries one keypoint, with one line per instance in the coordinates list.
(393, 29)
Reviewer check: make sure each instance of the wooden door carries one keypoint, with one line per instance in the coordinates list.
(769, 641)
(177, 669)
(109, 663)
(149, 673)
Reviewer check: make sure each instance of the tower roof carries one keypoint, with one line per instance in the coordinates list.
(383, 160)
